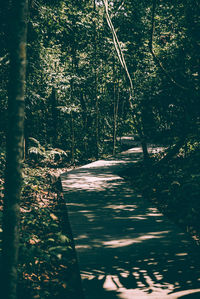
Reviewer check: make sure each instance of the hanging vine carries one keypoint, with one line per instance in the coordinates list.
(119, 52)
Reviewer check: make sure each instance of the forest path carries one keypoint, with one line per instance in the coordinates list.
(126, 248)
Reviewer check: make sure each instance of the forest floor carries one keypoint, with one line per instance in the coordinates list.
(47, 260)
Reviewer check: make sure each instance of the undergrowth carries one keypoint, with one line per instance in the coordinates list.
(47, 261)
(174, 188)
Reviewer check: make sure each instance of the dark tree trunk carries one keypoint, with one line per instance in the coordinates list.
(13, 177)
(145, 151)
(96, 93)
(72, 137)
(85, 123)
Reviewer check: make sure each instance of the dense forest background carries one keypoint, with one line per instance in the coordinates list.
(77, 91)
(100, 70)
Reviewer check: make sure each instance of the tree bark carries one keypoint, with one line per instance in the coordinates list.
(13, 176)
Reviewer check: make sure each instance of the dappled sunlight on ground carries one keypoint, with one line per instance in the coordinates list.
(126, 242)
(121, 286)
(126, 248)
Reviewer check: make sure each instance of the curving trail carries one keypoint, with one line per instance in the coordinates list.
(126, 248)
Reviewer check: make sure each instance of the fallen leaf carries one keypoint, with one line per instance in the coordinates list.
(34, 240)
(64, 285)
(53, 216)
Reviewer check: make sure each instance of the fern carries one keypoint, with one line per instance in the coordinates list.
(35, 141)
(36, 144)
(38, 152)
(56, 154)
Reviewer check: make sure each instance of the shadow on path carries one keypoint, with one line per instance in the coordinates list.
(126, 248)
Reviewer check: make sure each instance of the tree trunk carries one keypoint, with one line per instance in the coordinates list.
(96, 95)
(13, 176)
(85, 128)
(115, 116)
(72, 137)
(97, 127)
(54, 115)
(145, 151)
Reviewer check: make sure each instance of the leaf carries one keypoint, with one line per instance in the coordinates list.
(44, 192)
(58, 249)
(53, 216)
(35, 187)
(63, 238)
(59, 256)
(64, 285)
(34, 240)
(50, 240)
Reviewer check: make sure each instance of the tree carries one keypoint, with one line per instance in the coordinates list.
(17, 31)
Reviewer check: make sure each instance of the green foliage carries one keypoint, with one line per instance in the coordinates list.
(78, 94)
(2, 160)
(47, 156)
(46, 257)
(174, 188)
(70, 50)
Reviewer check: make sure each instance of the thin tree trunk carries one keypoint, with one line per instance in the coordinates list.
(97, 124)
(84, 118)
(13, 175)
(72, 138)
(115, 116)
(72, 119)
(145, 151)
(96, 95)
(54, 115)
